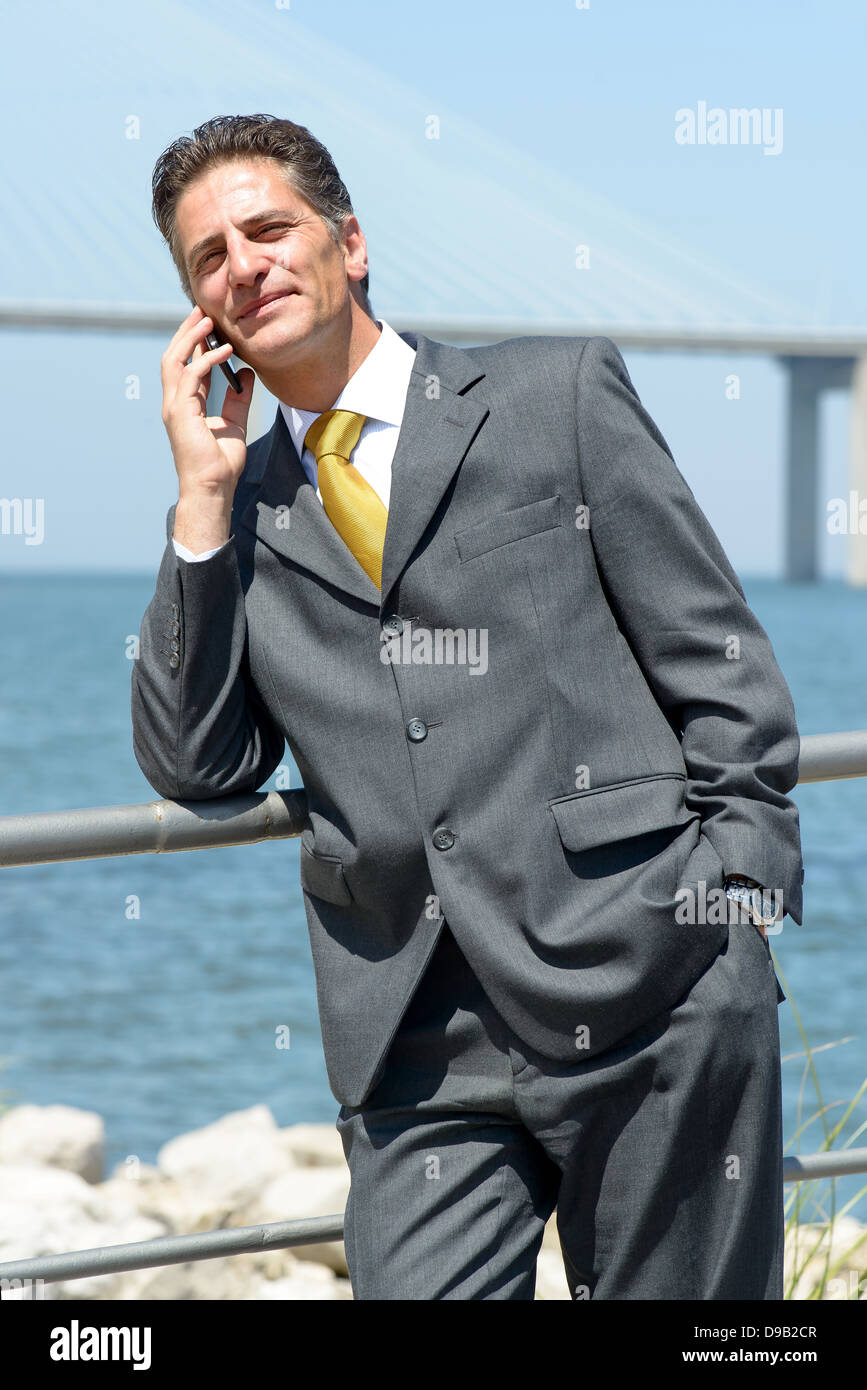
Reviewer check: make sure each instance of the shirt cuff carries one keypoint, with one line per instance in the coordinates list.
(185, 554)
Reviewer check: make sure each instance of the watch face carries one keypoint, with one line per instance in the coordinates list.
(764, 907)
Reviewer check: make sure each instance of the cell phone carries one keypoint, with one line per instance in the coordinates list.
(215, 339)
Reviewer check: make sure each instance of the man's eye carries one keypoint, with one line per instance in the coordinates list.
(272, 227)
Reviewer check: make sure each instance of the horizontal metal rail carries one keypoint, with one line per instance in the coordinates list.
(152, 827)
(282, 1235)
(175, 1250)
(826, 1164)
(168, 827)
(828, 757)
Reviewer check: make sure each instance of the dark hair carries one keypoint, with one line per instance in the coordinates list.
(304, 161)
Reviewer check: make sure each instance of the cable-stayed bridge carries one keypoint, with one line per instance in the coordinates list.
(470, 239)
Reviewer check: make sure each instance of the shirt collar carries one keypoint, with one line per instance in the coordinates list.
(377, 387)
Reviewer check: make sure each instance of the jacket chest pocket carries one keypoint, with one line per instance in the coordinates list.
(503, 527)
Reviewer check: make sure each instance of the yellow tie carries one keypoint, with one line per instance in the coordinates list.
(353, 507)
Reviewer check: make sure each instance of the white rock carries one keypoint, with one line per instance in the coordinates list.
(313, 1146)
(47, 1211)
(184, 1208)
(33, 1191)
(306, 1286)
(57, 1135)
(230, 1278)
(231, 1159)
(844, 1241)
(807, 1250)
(260, 1275)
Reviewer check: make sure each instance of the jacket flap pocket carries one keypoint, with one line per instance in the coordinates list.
(541, 515)
(604, 815)
(322, 875)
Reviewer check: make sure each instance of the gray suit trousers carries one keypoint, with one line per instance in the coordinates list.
(662, 1156)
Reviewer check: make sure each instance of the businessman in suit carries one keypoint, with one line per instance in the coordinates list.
(543, 741)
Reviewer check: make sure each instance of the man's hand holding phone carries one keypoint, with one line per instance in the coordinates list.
(209, 451)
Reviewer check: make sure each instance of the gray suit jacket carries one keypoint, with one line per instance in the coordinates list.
(631, 734)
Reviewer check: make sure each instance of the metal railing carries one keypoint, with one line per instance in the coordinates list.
(171, 827)
(174, 1250)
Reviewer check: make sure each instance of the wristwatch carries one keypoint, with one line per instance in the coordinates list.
(745, 890)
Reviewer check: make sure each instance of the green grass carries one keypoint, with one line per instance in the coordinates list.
(3, 1107)
(819, 1194)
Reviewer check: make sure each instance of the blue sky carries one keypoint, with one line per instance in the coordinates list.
(551, 117)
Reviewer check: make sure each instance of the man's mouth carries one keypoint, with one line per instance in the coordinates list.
(261, 305)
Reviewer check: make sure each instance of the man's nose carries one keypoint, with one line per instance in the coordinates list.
(247, 261)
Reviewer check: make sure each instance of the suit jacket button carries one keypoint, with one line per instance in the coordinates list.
(176, 629)
(176, 612)
(443, 837)
(174, 659)
(175, 645)
(416, 729)
(392, 625)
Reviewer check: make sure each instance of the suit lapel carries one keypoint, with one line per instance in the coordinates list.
(439, 424)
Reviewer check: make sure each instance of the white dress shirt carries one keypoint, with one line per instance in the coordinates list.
(376, 389)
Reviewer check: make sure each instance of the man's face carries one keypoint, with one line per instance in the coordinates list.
(264, 239)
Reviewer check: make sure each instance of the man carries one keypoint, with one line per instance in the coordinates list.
(538, 728)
